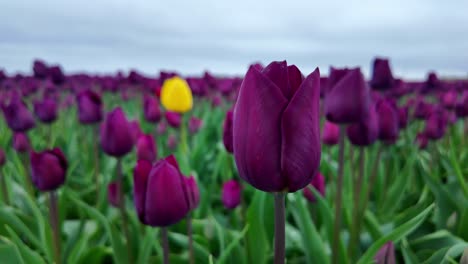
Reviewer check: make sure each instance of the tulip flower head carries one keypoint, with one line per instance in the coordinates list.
(146, 148)
(330, 133)
(115, 134)
(193, 192)
(231, 194)
(17, 115)
(113, 193)
(21, 142)
(386, 254)
(227, 132)
(89, 107)
(176, 95)
(48, 169)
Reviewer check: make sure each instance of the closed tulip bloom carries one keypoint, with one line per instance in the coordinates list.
(422, 110)
(334, 77)
(193, 192)
(48, 169)
(151, 110)
(40, 69)
(2, 158)
(172, 142)
(364, 133)
(135, 130)
(403, 117)
(227, 132)
(318, 182)
(276, 130)
(382, 78)
(146, 148)
(46, 110)
(449, 99)
(173, 119)
(176, 95)
(330, 133)
(113, 193)
(89, 107)
(386, 254)
(115, 134)
(161, 128)
(388, 121)
(21, 142)
(231, 194)
(160, 192)
(461, 109)
(194, 124)
(348, 101)
(435, 126)
(56, 75)
(17, 115)
(422, 140)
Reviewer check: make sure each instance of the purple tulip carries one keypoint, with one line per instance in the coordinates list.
(113, 193)
(48, 169)
(382, 78)
(422, 110)
(330, 133)
(231, 194)
(89, 107)
(318, 183)
(194, 124)
(276, 130)
(160, 193)
(348, 101)
(422, 140)
(135, 130)
(56, 75)
(193, 192)
(146, 148)
(334, 77)
(172, 142)
(21, 142)
(115, 134)
(402, 117)
(364, 133)
(449, 99)
(227, 132)
(40, 69)
(173, 119)
(161, 128)
(387, 121)
(461, 109)
(17, 115)
(151, 110)
(435, 126)
(46, 110)
(386, 254)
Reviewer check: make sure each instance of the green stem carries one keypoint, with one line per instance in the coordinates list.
(190, 236)
(27, 178)
(358, 181)
(95, 136)
(123, 211)
(54, 220)
(338, 200)
(280, 233)
(6, 199)
(372, 180)
(165, 245)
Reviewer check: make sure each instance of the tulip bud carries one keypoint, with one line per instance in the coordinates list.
(403, 117)
(173, 119)
(386, 254)
(193, 192)
(113, 193)
(422, 110)
(382, 78)
(276, 130)
(348, 101)
(330, 133)
(146, 149)
(151, 109)
(435, 126)
(194, 124)
(161, 128)
(115, 134)
(461, 108)
(56, 75)
(227, 132)
(46, 111)
(48, 169)
(421, 140)
(17, 115)
(40, 69)
(387, 121)
(318, 182)
(364, 133)
(89, 107)
(21, 142)
(334, 77)
(160, 193)
(171, 142)
(231, 194)
(176, 95)
(449, 99)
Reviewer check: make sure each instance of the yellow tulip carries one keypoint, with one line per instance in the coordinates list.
(176, 95)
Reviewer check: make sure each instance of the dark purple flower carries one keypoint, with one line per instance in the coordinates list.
(330, 133)
(334, 77)
(231, 194)
(449, 99)
(194, 124)
(461, 108)
(161, 128)
(172, 142)
(151, 109)
(276, 130)
(403, 117)
(17, 115)
(56, 75)
(364, 133)
(386, 254)
(40, 69)
(146, 149)
(113, 193)
(193, 192)
(89, 107)
(436, 125)
(115, 134)
(318, 183)
(227, 132)
(382, 78)
(422, 140)
(173, 119)
(21, 142)
(160, 192)
(48, 169)
(387, 117)
(348, 101)
(46, 110)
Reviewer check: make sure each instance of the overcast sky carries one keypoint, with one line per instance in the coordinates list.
(225, 36)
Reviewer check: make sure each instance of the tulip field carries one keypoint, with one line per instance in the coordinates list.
(275, 166)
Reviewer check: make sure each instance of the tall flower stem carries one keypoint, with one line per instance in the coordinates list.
(27, 178)
(54, 220)
(338, 198)
(190, 237)
(280, 234)
(355, 226)
(165, 245)
(6, 199)
(122, 210)
(96, 161)
(373, 178)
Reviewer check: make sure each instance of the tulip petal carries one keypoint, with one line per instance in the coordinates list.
(295, 78)
(300, 145)
(140, 179)
(277, 72)
(256, 126)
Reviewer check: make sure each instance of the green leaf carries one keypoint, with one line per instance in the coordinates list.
(9, 253)
(29, 255)
(229, 249)
(257, 243)
(443, 255)
(395, 235)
